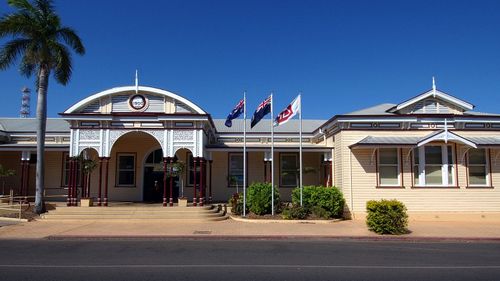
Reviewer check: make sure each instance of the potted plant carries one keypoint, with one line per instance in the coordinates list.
(5, 173)
(88, 166)
(177, 170)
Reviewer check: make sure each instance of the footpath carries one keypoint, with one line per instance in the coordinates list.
(232, 229)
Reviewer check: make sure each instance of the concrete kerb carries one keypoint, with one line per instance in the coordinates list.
(12, 219)
(240, 219)
(386, 238)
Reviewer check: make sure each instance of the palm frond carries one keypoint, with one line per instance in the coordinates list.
(62, 67)
(17, 24)
(11, 50)
(46, 7)
(70, 37)
(22, 5)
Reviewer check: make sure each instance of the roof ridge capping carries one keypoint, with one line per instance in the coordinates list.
(466, 106)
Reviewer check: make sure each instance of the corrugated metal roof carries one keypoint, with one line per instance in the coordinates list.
(380, 109)
(292, 126)
(370, 140)
(24, 125)
(485, 141)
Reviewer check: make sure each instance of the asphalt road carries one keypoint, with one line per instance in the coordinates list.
(237, 260)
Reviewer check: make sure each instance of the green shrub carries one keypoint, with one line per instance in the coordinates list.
(329, 199)
(236, 202)
(295, 213)
(259, 198)
(387, 216)
(320, 212)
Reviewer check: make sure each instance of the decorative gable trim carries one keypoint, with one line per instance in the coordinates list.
(465, 106)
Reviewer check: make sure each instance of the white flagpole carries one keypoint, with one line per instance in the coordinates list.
(272, 156)
(244, 153)
(300, 145)
(136, 82)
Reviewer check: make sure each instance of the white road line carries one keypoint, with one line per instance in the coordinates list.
(246, 266)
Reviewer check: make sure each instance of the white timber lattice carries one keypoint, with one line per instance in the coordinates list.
(102, 140)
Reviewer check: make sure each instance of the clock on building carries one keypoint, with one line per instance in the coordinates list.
(138, 102)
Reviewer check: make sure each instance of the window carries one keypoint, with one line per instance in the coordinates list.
(388, 165)
(288, 170)
(126, 169)
(477, 167)
(235, 174)
(65, 171)
(433, 165)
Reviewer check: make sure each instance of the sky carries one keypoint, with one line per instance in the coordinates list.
(342, 55)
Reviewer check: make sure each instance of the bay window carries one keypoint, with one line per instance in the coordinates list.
(433, 165)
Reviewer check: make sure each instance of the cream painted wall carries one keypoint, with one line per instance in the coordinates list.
(358, 166)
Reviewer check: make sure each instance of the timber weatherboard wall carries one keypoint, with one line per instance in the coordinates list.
(417, 199)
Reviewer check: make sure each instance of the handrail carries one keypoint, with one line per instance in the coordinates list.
(20, 200)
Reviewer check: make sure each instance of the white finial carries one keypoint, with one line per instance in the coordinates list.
(136, 82)
(433, 86)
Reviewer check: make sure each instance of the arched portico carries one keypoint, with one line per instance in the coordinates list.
(105, 119)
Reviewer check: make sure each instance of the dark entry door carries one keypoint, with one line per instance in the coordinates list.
(153, 186)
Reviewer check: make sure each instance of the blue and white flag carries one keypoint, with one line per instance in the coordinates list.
(262, 110)
(235, 113)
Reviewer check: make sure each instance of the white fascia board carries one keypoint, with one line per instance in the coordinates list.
(276, 135)
(258, 149)
(88, 118)
(450, 137)
(441, 95)
(116, 90)
(458, 119)
(182, 118)
(33, 134)
(378, 119)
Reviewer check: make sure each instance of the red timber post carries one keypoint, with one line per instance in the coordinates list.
(99, 194)
(27, 178)
(195, 160)
(21, 188)
(75, 182)
(70, 183)
(106, 163)
(165, 161)
(171, 199)
(202, 180)
(210, 182)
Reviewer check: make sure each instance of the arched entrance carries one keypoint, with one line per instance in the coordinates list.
(153, 179)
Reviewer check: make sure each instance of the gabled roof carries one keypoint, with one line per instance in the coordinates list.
(437, 94)
(439, 135)
(292, 126)
(27, 125)
(380, 109)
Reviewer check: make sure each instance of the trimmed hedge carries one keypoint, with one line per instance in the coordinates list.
(259, 198)
(295, 213)
(387, 217)
(330, 199)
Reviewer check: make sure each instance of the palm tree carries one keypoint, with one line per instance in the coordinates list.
(39, 38)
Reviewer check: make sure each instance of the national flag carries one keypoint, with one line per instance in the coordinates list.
(235, 113)
(262, 110)
(288, 113)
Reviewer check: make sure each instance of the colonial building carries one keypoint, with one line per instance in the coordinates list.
(433, 152)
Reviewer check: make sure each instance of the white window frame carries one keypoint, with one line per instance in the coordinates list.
(118, 170)
(444, 166)
(486, 167)
(379, 183)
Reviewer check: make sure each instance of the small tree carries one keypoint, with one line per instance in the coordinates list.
(5, 173)
(88, 166)
(177, 170)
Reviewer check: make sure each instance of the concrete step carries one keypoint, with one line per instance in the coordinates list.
(205, 213)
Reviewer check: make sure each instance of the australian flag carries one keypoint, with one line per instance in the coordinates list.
(262, 110)
(235, 113)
